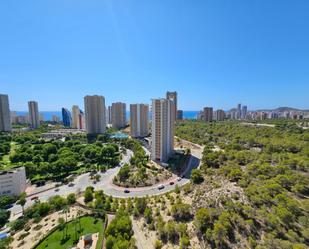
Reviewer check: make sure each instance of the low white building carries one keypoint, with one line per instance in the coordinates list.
(13, 182)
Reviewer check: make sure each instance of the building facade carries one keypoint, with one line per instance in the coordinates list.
(66, 118)
(95, 114)
(162, 129)
(55, 119)
(139, 120)
(118, 113)
(75, 116)
(220, 115)
(208, 114)
(179, 115)
(172, 96)
(244, 112)
(109, 115)
(81, 121)
(34, 117)
(5, 118)
(13, 182)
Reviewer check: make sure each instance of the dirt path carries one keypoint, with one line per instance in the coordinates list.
(142, 242)
(110, 217)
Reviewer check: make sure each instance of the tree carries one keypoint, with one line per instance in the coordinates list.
(140, 204)
(181, 211)
(4, 217)
(6, 200)
(148, 215)
(196, 176)
(88, 195)
(202, 219)
(22, 201)
(158, 244)
(66, 210)
(124, 173)
(171, 231)
(177, 189)
(184, 242)
(61, 223)
(119, 231)
(57, 202)
(71, 198)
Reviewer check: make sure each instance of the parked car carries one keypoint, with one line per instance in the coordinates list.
(57, 189)
(179, 179)
(71, 184)
(126, 191)
(161, 187)
(171, 183)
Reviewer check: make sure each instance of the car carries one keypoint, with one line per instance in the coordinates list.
(161, 187)
(179, 179)
(126, 191)
(8, 206)
(94, 182)
(57, 189)
(71, 184)
(172, 183)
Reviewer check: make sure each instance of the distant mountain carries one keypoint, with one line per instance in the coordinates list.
(283, 109)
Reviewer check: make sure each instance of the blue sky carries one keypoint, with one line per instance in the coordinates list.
(213, 53)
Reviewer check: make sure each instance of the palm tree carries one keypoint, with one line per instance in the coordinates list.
(79, 213)
(65, 210)
(75, 223)
(22, 200)
(61, 225)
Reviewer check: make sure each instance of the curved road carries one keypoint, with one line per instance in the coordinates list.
(105, 184)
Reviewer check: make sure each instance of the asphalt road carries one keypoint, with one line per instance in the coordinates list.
(105, 184)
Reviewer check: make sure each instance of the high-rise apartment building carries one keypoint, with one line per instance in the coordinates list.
(208, 114)
(75, 116)
(55, 119)
(173, 97)
(5, 119)
(13, 182)
(118, 115)
(179, 114)
(34, 116)
(162, 129)
(81, 120)
(139, 120)
(238, 113)
(109, 115)
(66, 117)
(95, 114)
(220, 115)
(244, 112)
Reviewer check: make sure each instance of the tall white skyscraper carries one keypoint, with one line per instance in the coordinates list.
(5, 119)
(139, 120)
(95, 114)
(75, 116)
(162, 129)
(34, 116)
(118, 115)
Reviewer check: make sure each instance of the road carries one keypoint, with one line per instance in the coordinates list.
(105, 184)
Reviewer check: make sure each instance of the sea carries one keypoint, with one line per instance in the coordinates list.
(47, 115)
